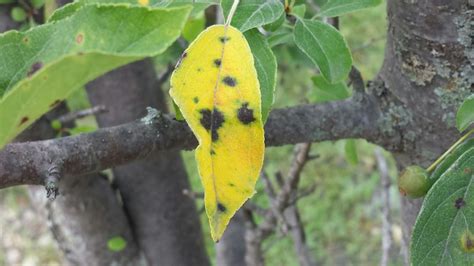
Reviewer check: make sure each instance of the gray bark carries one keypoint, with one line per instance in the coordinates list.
(165, 221)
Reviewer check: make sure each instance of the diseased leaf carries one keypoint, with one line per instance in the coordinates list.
(326, 47)
(325, 91)
(334, 8)
(443, 233)
(253, 13)
(44, 65)
(216, 87)
(465, 114)
(266, 66)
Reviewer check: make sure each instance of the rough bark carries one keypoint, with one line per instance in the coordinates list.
(165, 221)
(428, 70)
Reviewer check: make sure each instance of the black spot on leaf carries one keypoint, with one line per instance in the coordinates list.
(195, 99)
(35, 67)
(459, 203)
(217, 62)
(224, 39)
(221, 207)
(212, 121)
(212, 152)
(229, 81)
(23, 120)
(245, 114)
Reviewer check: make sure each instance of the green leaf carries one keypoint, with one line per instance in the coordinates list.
(6, 1)
(266, 66)
(193, 27)
(281, 36)
(325, 91)
(447, 162)
(351, 151)
(253, 13)
(465, 115)
(326, 47)
(81, 129)
(276, 24)
(117, 244)
(299, 10)
(44, 65)
(334, 8)
(198, 5)
(446, 221)
(37, 4)
(178, 115)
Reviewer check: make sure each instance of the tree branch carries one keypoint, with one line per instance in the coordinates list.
(28, 163)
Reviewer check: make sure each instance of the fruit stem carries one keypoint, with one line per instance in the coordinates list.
(232, 12)
(463, 138)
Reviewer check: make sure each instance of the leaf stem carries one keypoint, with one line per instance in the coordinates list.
(463, 138)
(232, 12)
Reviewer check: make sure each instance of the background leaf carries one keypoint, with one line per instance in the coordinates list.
(351, 151)
(465, 114)
(325, 91)
(47, 63)
(334, 8)
(253, 13)
(194, 26)
(266, 66)
(325, 46)
(446, 221)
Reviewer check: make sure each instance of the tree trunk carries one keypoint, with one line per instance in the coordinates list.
(428, 72)
(165, 222)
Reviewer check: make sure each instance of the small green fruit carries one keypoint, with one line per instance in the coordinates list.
(413, 182)
(18, 14)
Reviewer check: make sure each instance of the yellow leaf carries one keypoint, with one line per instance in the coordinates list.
(215, 86)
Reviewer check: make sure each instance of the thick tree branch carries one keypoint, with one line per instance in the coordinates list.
(28, 163)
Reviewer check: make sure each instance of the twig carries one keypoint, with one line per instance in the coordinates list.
(357, 81)
(281, 210)
(192, 194)
(72, 116)
(386, 224)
